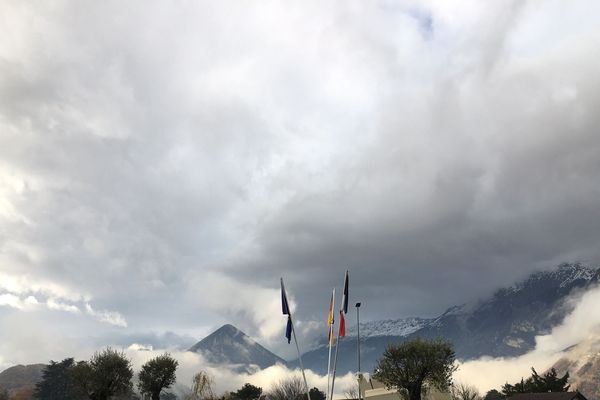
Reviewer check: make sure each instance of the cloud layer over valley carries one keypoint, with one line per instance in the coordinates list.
(582, 324)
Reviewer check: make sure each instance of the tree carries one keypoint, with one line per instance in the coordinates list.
(316, 394)
(411, 364)
(462, 391)
(351, 393)
(549, 382)
(56, 382)
(519, 387)
(225, 396)
(108, 373)
(493, 395)
(82, 376)
(3, 394)
(202, 384)
(157, 374)
(248, 392)
(288, 389)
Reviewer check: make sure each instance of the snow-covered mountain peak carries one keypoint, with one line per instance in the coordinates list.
(569, 273)
(564, 276)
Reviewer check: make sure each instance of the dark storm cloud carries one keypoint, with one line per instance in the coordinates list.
(169, 163)
(488, 177)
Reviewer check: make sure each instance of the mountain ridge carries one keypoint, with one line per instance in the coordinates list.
(566, 273)
(503, 324)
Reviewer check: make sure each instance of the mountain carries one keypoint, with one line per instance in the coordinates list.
(389, 327)
(582, 361)
(21, 377)
(230, 346)
(505, 324)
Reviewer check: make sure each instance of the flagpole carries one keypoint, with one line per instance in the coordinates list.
(299, 357)
(358, 346)
(343, 310)
(297, 346)
(335, 364)
(329, 336)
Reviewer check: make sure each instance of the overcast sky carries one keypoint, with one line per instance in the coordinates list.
(162, 164)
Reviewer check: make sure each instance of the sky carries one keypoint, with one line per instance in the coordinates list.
(162, 165)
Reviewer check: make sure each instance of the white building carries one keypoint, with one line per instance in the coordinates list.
(371, 389)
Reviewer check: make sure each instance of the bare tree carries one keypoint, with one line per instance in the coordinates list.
(202, 384)
(352, 392)
(288, 389)
(463, 391)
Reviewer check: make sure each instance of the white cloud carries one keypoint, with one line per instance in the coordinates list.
(25, 284)
(31, 303)
(27, 304)
(10, 300)
(582, 323)
(110, 317)
(59, 298)
(139, 347)
(229, 380)
(249, 304)
(54, 304)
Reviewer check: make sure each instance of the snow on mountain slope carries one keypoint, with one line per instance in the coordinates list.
(389, 327)
(503, 324)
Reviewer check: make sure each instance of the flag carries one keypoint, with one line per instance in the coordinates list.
(342, 332)
(345, 294)
(288, 329)
(344, 308)
(285, 308)
(330, 320)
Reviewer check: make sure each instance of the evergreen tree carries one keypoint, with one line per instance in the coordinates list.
(549, 382)
(519, 387)
(248, 392)
(56, 382)
(316, 394)
(493, 395)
